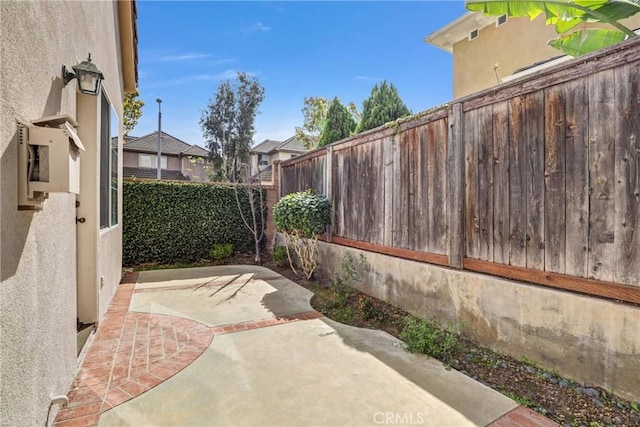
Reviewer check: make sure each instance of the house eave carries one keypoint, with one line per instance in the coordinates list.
(127, 24)
(458, 30)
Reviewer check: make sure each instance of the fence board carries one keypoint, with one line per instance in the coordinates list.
(627, 174)
(456, 186)
(420, 215)
(438, 240)
(554, 179)
(576, 178)
(401, 199)
(517, 183)
(471, 183)
(534, 132)
(388, 149)
(601, 173)
(501, 241)
(485, 182)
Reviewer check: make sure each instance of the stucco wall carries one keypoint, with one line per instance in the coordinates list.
(589, 339)
(516, 44)
(38, 250)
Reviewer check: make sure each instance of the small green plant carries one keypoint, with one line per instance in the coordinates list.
(221, 251)
(369, 310)
(352, 269)
(279, 255)
(428, 337)
(343, 315)
(522, 400)
(635, 407)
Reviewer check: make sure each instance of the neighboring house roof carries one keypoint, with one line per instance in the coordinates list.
(195, 150)
(458, 30)
(269, 146)
(292, 144)
(168, 145)
(265, 147)
(150, 173)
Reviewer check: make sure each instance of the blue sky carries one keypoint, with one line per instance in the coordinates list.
(295, 49)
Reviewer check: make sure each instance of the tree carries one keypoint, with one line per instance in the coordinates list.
(251, 184)
(338, 124)
(314, 112)
(567, 15)
(228, 124)
(383, 105)
(132, 107)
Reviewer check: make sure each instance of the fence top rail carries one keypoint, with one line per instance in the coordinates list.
(621, 53)
(386, 130)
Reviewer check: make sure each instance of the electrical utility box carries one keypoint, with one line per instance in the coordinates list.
(48, 160)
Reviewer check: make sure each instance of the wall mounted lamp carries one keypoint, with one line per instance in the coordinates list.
(88, 75)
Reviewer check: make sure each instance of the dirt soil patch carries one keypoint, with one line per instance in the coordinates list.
(560, 399)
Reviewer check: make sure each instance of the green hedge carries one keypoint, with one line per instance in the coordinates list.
(168, 222)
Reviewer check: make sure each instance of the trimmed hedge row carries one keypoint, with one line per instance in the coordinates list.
(169, 222)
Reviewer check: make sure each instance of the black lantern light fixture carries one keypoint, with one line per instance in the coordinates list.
(88, 75)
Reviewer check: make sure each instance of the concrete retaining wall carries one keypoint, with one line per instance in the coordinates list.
(591, 340)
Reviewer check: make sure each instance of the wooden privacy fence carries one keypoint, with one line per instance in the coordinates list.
(535, 180)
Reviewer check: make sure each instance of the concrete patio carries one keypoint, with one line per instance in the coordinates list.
(241, 345)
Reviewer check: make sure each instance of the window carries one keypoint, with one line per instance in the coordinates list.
(109, 132)
(473, 34)
(150, 161)
(263, 160)
(501, 20)
(294, 155)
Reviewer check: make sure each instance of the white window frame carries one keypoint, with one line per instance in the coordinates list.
(153, 163)
(108, 173)
(471, 36)
(498, 23)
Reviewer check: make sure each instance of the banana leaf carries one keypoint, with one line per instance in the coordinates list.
(564, 14)
(585, 41)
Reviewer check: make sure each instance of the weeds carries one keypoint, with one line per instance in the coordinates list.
(522, 400)
(279, 255)
(220, 252)
(428, 337)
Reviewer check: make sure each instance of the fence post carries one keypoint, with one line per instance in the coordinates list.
(278, 181)
(455, 185)
(328, 188)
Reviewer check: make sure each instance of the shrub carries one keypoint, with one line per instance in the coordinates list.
(220, 252)
(304, 213)
(279, 255)
(302, 217)
(168, 222)
(426, 336)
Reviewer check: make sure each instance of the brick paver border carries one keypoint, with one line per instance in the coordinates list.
(523, 417)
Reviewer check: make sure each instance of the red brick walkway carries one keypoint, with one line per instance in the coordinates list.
(133, 352)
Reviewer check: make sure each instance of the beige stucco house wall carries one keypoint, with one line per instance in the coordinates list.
(53, 271)
(516, 44)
